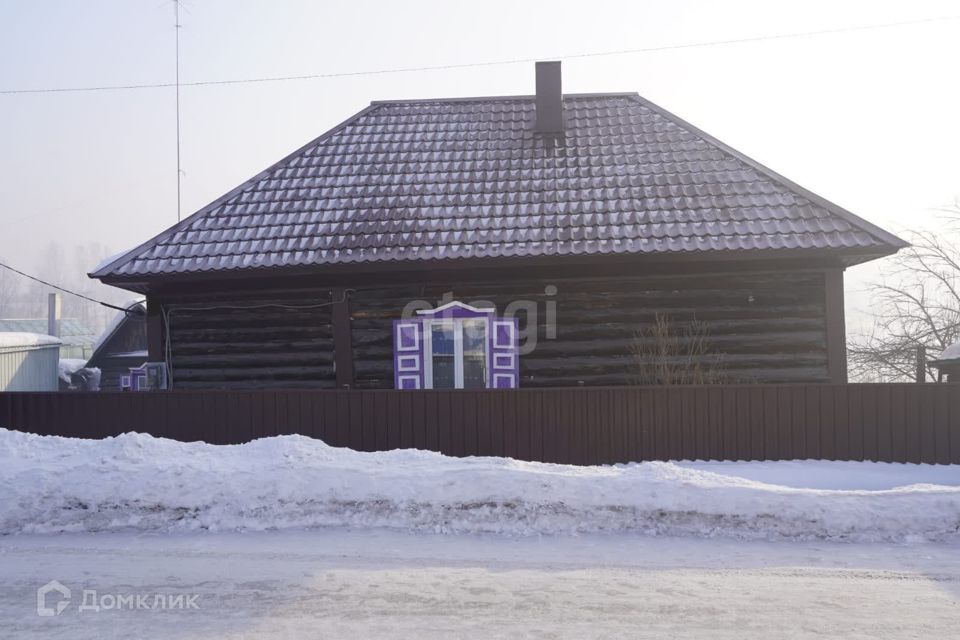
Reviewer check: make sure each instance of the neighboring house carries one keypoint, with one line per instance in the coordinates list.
(77, 339)
(948, 363)
(121, 346)
(599, 211)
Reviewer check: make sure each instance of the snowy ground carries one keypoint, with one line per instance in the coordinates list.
(336, 583)
(138, 483)
(288, 537)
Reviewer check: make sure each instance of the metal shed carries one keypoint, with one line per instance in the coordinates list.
(28, 362)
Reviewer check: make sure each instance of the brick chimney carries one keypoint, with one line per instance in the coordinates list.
(549, 98)
(53, 314)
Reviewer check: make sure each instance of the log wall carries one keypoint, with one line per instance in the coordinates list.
(240, 342)
(761, 327)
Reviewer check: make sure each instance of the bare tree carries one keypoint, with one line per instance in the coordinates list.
(9, 293)
(84, 259)
(67, 268)
(672, 353)
(915, 305)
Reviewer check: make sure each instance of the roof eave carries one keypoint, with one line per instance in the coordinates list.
(143, 283)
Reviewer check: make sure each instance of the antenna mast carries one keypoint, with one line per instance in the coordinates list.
(176, 25)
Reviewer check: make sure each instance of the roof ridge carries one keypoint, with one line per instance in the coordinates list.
(515, 98)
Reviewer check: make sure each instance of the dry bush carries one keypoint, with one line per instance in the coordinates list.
(674, 353)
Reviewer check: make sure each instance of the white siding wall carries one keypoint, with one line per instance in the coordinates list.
(29, 368)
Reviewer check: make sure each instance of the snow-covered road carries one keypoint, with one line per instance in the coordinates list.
(381, 584)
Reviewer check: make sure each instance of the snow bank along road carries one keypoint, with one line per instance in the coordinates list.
(288, 537)
(136, 482)
(341, 583)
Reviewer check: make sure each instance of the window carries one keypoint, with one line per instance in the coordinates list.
(455, 346)
(457, 354)
(474, 353)
(443, 356)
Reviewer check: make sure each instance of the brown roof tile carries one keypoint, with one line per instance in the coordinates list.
(470, 179)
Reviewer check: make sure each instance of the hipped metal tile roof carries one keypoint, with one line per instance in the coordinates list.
(470, 179)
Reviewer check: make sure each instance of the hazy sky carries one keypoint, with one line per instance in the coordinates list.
(866, 119)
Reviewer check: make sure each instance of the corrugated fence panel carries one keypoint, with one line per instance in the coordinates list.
(582, 425)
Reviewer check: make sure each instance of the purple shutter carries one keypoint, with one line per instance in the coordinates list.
(504, 354)
(138, 379)
(408, 354)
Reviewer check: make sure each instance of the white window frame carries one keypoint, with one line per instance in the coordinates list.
(511, 333)
(409, 362)
(416, 336)
(504, 360)
(415, 379)
(457, 349)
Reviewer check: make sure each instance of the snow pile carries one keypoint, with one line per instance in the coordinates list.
(823, 474)
(69, 366)
(20, 339)
(137, 482)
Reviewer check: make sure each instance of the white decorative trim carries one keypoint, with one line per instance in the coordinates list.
(427, 355)
(412, 360)
(511, 359)
(456, 304)
(416, 336)
(504, 376)
(402, 379)
(512, 336)
(457, 352)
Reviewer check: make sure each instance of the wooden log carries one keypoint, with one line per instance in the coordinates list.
(783, 343)
(748, 376)
(254, 373)
(250, 321)
(253, 359)
(530, 289)
(269, 346)
(252, 334)
(257, 384)
(716, 328)
(534, 363)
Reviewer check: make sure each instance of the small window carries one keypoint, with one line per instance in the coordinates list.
(474, 353)
(462, 347)
(443, 355)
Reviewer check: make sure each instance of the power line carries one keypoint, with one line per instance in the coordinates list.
(492, 63)
(72, 293)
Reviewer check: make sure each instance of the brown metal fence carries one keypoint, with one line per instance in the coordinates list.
(884, 422)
